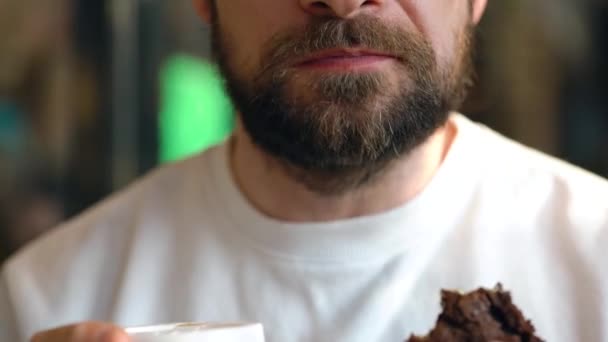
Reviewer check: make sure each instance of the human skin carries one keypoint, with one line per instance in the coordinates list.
(249, 24)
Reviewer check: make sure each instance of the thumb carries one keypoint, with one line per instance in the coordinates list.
(83, 332)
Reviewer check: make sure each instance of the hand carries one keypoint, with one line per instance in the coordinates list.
(83, 332)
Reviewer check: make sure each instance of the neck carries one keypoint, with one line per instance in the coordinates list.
(274, 191)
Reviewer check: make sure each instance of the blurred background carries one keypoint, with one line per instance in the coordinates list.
(94, 93)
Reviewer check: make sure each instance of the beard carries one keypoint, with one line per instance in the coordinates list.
(336, 132)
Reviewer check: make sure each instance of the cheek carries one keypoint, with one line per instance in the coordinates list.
(441, 21)
(247, 25)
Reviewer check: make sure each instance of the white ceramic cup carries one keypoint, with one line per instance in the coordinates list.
(198, 332)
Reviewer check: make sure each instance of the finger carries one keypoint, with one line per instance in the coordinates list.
(88, 331)
(113, 334)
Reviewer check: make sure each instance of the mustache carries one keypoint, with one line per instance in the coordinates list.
(363, 32)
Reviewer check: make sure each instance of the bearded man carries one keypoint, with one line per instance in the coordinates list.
(348, 196)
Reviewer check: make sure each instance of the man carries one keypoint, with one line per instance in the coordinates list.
(347, 198)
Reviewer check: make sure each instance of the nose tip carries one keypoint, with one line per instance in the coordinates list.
(338, 8)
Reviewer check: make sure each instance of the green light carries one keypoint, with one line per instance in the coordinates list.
(196, 112)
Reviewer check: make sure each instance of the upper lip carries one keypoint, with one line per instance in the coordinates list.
(346, 53)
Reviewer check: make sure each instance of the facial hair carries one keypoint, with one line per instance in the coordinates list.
(336, 132)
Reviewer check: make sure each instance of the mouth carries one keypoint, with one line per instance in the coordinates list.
(345, 60)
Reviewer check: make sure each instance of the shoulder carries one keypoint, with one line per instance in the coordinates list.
(154, 193)
(537, 205)
(530, 183)
(74, 259)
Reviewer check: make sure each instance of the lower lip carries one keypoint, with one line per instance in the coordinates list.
(346, 63)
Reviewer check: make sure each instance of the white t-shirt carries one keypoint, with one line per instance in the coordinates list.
(184, 245)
